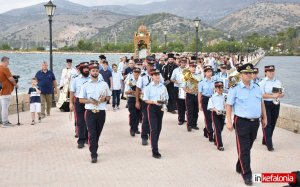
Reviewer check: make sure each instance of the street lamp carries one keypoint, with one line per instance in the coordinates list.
(50, 9)
(201, 45)
(197, 24)
(165, 33)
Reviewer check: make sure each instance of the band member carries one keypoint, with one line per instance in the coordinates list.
(272, 92)
(206, 90)
(64, 97)
(246, 100)
(167, 71)
(223, 76)
(143, 81)
(130, 91)
(216, 105)
(191, 89)
(177, 79)
(78, 107)
(155, 95)
(94, 94)
(254, 76)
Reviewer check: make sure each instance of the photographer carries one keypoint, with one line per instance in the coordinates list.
(8, 83)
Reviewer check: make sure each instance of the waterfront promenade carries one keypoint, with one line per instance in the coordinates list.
(46, 155)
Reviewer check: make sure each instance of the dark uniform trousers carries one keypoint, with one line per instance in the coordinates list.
(246, 132)
(218, 122)
(180, 107)
(272, 111)
(95, 123)
(208, 130)
(145, 122)
(134, 114)
(172, 97)
(75, 116)
(80, 122)
(192, 108)
(155, 116)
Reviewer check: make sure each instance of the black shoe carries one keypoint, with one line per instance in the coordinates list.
(205, 133)
(180, 123)
(173, 112)
(270, 149)
(132, 133)
(137, 132)
(211, 140)
(248, 182)
(195, 128)
(76, 136)
(263, 142)
(86, 141)
(189, 128)
(156, 155)
(144, 142)
(126, 106)
(221, 148)
(94, 160)
(80, 146)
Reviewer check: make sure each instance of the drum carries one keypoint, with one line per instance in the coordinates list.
(181, 93)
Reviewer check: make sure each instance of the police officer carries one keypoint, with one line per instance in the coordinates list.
(167, 71)
(246, 100)
(78, 107)
(177, 79)
(191, 89)
(254, 75)
(216, 105)
(206, 90)
(130, 91)
(268, 86)
(94, 94)
(155, 95)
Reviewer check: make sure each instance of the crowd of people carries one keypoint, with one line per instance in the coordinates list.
(182, 84)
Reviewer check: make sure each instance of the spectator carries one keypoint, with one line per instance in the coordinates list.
(8, 84)
(116, 87)
(47, 84)
(34, 100)
(106, 74)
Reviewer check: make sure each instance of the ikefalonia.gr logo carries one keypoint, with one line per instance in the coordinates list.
(274, 178)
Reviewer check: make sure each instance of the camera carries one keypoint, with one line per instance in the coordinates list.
(16, 77)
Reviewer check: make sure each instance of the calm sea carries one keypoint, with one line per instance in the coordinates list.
(26, 65)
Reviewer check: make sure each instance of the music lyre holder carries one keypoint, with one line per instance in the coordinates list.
(17, 100)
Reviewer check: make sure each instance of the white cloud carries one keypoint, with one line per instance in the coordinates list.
(7, 5)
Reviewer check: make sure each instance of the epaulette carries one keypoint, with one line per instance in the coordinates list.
(143, 74)
(85, 82)
(256, 84)
(75, 76)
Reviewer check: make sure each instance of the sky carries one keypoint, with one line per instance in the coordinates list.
(7, 5)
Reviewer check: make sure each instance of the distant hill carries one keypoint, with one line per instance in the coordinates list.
(263, 18)
(178, 29)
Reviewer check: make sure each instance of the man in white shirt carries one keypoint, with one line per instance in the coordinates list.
(117, 79)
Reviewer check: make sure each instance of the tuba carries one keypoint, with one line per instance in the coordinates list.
(188, 77)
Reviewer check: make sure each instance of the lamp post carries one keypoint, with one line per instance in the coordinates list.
(201, 45)
(165, 34)
(50, 9)
(197, 24)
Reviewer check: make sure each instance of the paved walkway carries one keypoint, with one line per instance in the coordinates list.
(46, 155)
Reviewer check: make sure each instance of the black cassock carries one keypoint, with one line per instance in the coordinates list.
(167, 71)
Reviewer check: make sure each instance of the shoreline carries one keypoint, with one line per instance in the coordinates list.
(60, 52)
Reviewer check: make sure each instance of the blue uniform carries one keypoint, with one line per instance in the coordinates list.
(95, 115)
(272, 110)
(246, 104)
(76, 84)
(155, 92)
(206, 88)
(217, 101)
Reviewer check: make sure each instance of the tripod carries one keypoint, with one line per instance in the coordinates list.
(17, 100)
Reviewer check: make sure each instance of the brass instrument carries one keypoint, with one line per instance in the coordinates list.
(276, 101)
(98, 101)
(188, 77)
(163, 100)
(233, 79)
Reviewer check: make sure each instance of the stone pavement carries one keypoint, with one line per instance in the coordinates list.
(46, 155)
